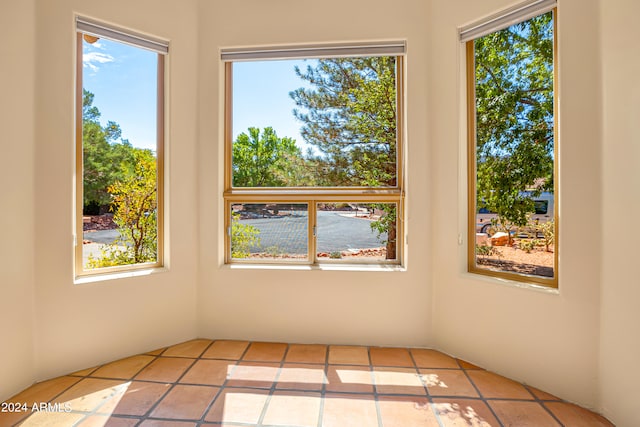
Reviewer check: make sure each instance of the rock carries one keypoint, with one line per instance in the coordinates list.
(500, 239)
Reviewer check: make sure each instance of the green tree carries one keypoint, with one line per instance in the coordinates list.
(135, 213)
(103, 152)
(349, 114)
(514, 118)
(266, 160)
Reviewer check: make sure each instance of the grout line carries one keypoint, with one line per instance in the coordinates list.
(325, 381)
(375, 387)
(223, 386)
(480, 394)
(541, 403)
(272, 389)
(171, 387)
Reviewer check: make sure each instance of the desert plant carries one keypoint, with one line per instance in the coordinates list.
(486, 251)
(548, 230)
(528, 245)
(243, 237)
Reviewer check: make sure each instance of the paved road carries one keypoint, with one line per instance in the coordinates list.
(336, 232)
(288, 234)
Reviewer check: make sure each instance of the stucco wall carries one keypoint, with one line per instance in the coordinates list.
(80, 325)
(548, 340)
(578, 343)
(620, 345)
(17, 146)
(388, 308)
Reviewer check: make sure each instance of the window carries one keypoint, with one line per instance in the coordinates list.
(314, 170)
(119, 149)
(512, 144)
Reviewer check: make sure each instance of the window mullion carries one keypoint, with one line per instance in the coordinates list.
(313, 231)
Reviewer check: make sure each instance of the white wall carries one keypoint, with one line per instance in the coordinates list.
(544, 339)
(620, 316)
(80, 325)
(579, 343)
(17, 77)
(390, 308)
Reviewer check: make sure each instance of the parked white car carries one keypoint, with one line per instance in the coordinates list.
(544, 211)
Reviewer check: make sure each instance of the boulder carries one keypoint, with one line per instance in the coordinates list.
(500, 239)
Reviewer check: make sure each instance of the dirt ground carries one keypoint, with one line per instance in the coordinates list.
(538, 262)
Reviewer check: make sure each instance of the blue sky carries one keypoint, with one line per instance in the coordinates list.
(123, 80)
(261, 97)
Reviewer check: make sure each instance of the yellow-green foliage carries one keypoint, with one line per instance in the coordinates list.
(135, 212)
(243, 237)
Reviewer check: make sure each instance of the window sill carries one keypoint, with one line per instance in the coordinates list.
(101, 277)
(323, 267)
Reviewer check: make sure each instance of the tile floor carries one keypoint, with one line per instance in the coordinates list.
(239, 383)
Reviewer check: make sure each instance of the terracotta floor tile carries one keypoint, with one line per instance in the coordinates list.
(466, 365)
(52, 419)
(193, 348)
(426, 358)
(398, 381)
(161, 423)
(384, 356)
(216, 384)
(165, 369)
(349, 410)
(447, 382)
(91, 393)
(84, 372)
(226, 349)
(573, 415)
(542, 395)
(239, 405)
(210, 372)
(404, 411)
(296, 376)
(464, 413)
(156, 352)
(353, 379)
(265, 352)
(293, 408)
(495, 386)
(41, 392)
(137, 399)
(348, 355)
(106, 421)
(307, 353)
(253, 374)
(522, 414)
(123, 369)
(185, 402)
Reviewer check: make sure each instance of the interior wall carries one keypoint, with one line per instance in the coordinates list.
(17, 77)
(546, 339)
(80, 325)
(620, 347)
(293, 305)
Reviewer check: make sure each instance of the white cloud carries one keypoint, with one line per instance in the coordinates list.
(93, 59)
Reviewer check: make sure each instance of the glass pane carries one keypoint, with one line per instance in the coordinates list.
(119, 148)
(269, 231)
(356, 232)
(514, 147)
(314, 123)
